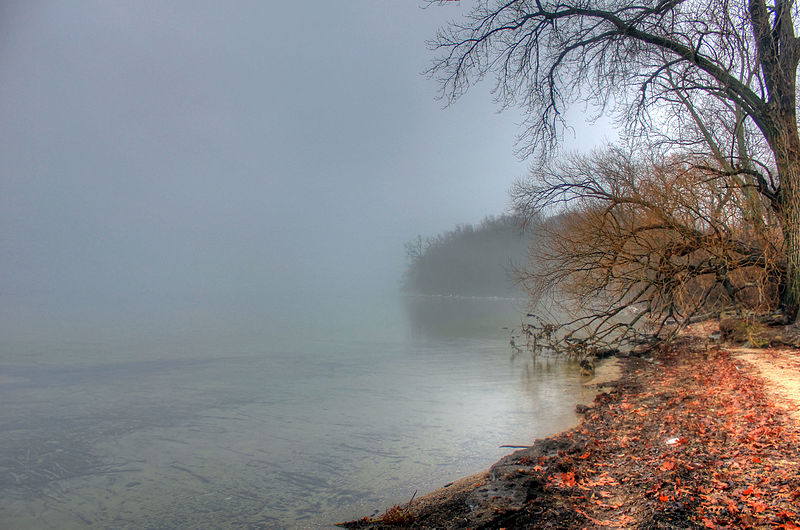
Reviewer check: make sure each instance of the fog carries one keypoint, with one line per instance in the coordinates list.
(203, 211)
(186, 156)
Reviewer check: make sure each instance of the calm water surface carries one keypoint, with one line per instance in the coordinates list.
(266, 424)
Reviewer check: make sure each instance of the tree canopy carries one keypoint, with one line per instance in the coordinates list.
(712, 81)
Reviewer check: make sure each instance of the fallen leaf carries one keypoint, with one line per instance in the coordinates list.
(624, 521)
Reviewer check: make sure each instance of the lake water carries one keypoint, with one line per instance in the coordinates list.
(262, 419)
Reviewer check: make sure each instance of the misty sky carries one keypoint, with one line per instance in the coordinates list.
(209, 149)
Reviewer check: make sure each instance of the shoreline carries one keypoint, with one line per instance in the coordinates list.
(608, 371)
(694, 437)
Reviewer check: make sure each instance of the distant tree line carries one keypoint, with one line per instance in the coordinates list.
(470, 260)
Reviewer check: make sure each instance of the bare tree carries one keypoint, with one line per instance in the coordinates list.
(643, 60)
(644, 241)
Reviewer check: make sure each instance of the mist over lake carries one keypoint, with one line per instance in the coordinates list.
(203, 212)
(226, 427)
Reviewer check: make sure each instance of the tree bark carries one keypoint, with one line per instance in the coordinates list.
(790, 205)
(778, 51)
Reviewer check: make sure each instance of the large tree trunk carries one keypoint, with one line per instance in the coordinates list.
(790, 204)
(778, 52)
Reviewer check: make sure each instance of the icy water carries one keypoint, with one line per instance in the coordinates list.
(274, 426)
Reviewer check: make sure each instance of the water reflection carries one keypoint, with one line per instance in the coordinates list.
(458, 316)
(245, 432)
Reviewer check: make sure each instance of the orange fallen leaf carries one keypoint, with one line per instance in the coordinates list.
(624, 521)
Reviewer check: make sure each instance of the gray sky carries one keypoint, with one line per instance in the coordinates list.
(210, 149)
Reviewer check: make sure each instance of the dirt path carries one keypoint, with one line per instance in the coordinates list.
(781, 370)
